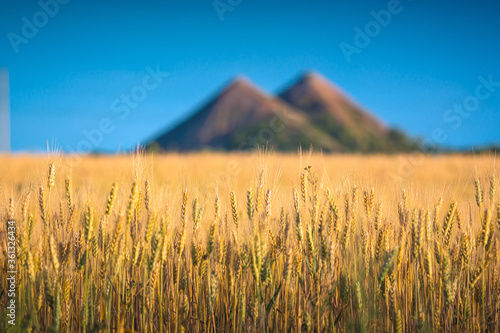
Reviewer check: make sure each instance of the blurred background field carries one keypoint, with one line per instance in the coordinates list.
(428, 176)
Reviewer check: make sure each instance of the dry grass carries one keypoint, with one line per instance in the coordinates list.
(262, 242)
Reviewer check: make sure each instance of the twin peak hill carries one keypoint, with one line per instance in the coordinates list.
(311, 111)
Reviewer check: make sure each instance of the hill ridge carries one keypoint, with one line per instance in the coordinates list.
(318, 113)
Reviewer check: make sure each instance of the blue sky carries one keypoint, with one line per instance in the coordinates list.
(66, 77)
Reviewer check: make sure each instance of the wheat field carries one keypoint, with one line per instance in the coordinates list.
(260, 242)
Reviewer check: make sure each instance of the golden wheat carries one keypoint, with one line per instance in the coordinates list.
(94, 259)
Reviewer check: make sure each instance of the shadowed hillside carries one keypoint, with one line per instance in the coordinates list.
(312, 111)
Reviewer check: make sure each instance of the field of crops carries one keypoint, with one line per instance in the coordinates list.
(250, 243)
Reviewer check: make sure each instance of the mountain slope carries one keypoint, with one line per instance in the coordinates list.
(242, 117)
(333, 112)
(319, 97)
(312, 111)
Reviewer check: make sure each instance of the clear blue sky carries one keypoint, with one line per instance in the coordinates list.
(65, 78)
